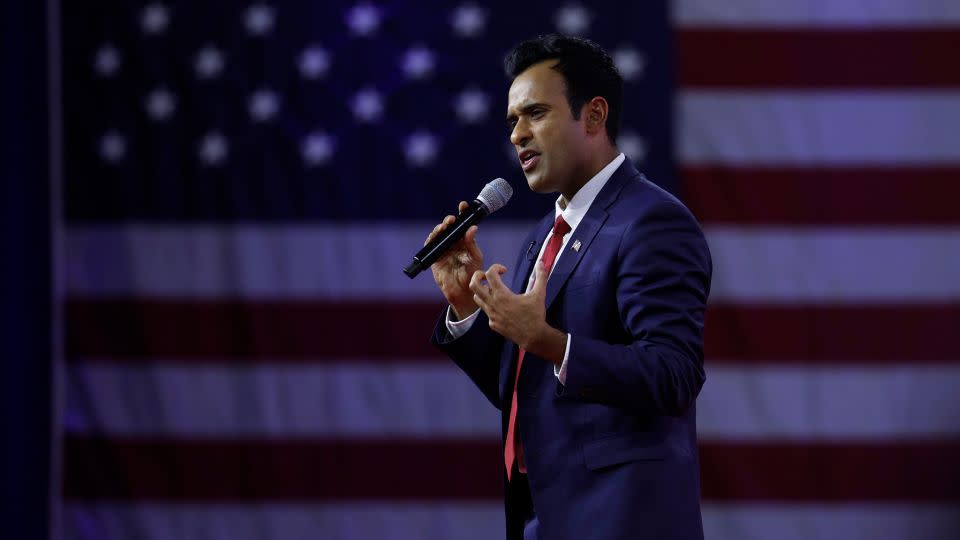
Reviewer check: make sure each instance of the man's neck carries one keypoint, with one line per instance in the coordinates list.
(601, 160)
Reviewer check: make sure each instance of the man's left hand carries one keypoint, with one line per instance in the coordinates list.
(521, 318)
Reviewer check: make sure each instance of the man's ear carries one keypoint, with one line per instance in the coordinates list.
(595, 112)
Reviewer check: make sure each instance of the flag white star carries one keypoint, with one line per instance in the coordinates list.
(154, 18)
(367, 105)
(263, 105)
(633, 146)
(630, 62)
(472, 106)
(208, 62)
(113, 147)
(317, 148)
(572, 19)
(418, 62)
(314, 62)
(107, 60)
(213, 149)
(468, 20)
(259, 19)
(421, 149)
(160, 104)
(363, 19)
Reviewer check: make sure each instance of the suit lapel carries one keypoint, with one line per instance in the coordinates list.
(522, 272)
(570, 258)
(587, 230)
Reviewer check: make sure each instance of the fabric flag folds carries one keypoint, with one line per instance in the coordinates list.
(245, 181)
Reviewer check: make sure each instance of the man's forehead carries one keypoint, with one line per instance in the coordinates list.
(537, 84)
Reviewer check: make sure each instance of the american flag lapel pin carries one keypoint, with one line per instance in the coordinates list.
(576, 245)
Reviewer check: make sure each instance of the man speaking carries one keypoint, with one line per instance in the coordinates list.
(591, 344)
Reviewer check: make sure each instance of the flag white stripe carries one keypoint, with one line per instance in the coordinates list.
(385, 520)
(870, 264)
(409, 400)
(808, 403)
(356, 261)
(818, 128)
(841, 13)
(350, 400)
(482, 521)
(841, 522)
(364, 262)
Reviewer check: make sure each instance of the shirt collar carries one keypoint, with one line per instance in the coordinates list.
(574, 210)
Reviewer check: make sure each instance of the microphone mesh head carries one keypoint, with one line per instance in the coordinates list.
(495, 194)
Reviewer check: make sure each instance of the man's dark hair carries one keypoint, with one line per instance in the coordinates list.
(586, 68)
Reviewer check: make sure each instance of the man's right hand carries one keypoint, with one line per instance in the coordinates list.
(453, 270)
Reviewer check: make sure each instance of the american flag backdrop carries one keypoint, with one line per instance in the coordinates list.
(243, 182)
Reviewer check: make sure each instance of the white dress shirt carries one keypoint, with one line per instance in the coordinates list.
(572, 212)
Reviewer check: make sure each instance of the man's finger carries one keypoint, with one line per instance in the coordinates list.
(430, 236)
(477, 285)
(482, 304)
(447, 221)
(462, 206)
(470, 240)
(539, 279)
(493, 277)
(471, 235)
(442, 226)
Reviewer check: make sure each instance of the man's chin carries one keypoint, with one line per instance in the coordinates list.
(538, 184)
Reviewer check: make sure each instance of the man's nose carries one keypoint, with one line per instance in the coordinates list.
(520, 134)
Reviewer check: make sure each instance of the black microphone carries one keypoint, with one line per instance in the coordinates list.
(492, 197)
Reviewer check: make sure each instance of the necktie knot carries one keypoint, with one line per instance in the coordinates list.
(560, 226)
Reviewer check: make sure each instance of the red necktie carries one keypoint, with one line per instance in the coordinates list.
(512, 449)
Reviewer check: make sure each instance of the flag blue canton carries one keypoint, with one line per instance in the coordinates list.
(290, 111)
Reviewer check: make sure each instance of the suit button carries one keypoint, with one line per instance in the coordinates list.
(585, 393)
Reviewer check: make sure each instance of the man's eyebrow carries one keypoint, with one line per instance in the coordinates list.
(526, 109)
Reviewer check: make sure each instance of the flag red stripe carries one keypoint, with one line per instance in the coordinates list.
(285, 470)
(841, 196)
(285, 330)
(832, 472)
(204, 331)
(249, 470)
(817, 59)
(825, 334)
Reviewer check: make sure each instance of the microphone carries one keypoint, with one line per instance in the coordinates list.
(492, 197)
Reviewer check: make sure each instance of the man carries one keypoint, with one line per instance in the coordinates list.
(604, 318)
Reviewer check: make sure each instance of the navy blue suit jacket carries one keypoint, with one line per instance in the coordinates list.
(611, 454)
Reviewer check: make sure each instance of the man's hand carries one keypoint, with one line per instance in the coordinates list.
(521, 318)
(453, 270)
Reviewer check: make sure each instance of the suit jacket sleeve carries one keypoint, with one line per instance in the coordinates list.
(477, 353)
(663, 280)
